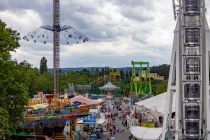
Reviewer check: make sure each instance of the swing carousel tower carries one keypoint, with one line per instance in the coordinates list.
(68, 35)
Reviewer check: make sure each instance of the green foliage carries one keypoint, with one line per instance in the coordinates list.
(159, 86)
(161, 70)
(106, 70)
(122, 74)
(8, 41)
(39, 82)
(43, 65)
(97, 71)
(44, 83)
(14, 83)
(125, 87)
(13, 92)
(85, 72)
(4, 123)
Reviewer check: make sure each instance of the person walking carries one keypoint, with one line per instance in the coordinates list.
(111, 131)
(101, 131)
(130, 136)
(117, 129)
(126, 123)
(123, 129)
(112, 138)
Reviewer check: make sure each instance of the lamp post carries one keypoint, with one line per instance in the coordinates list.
(11, 99)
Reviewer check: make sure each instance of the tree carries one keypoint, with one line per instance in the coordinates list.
(122, 74)
(13, 82)
(102, 72)
(161, 70)
(85, 71)
(8, 41)
(159, 86)
(43, 83)
(127, 74)
(43, 65)
(97, 71)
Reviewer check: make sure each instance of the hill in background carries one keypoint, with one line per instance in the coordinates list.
(162, 70)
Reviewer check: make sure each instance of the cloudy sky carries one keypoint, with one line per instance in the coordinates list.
(119, 30)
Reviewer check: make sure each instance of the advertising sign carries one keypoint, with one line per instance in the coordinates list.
(90, 118)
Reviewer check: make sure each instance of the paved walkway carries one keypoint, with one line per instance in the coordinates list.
(118, 136)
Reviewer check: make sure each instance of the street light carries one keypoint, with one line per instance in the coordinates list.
(11, 99)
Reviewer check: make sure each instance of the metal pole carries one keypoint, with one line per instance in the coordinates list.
(150, 86)
(56, 44)
(140, 91)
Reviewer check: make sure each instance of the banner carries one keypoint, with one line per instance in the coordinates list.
(90, 118)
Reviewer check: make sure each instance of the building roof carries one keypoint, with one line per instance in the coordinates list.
(83, 100)
(157, 103)
(109, 87)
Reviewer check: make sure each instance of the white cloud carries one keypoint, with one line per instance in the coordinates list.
(21, 20)
(120, 30)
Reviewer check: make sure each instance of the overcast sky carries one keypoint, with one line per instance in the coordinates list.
(119, 30)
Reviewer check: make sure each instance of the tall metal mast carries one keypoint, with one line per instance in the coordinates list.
(42, 35)
(56, 44)
(189, 74)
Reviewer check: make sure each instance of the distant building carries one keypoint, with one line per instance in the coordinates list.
(155, 76)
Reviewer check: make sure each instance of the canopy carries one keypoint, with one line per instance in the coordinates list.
(100, 100)
(83, 100)
(157, 103)
(144, 133)
(109, 87)
(101, 121)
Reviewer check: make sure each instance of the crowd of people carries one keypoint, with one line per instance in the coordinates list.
(117, 121)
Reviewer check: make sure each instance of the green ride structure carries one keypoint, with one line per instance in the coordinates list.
(141, 85)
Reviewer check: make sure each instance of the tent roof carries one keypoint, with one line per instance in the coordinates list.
(83, 100)
(157, 103)
(108, 87)
(144, 133)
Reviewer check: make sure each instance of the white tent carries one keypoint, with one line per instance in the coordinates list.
(157, 103)
(144, 133)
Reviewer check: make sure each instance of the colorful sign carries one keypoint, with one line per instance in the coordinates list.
(90, 118)
(44, 123)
